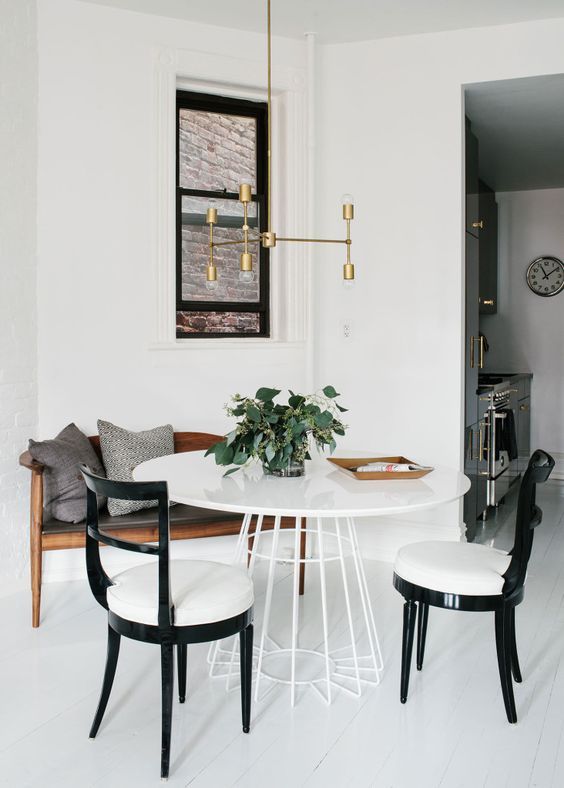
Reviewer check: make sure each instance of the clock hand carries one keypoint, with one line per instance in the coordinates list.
(552, 272)
(544, 272)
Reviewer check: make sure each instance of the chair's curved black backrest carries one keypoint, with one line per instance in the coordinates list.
(528, 517)
(130, 491)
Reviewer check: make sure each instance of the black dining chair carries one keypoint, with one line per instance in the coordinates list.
(472, 577)
(170, 603)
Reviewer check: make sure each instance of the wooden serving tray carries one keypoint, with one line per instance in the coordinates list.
(345, 464)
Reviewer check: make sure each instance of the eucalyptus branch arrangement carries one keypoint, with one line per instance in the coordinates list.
(279, 435)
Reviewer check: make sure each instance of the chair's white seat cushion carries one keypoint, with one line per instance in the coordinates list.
(202, 592)
(453, 567)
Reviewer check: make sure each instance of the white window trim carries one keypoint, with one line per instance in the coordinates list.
(290, 264)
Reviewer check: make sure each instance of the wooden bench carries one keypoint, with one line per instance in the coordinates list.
(186, 522)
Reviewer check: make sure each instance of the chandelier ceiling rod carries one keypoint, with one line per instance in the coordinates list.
(269, 239)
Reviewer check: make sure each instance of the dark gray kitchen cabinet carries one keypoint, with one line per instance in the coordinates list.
(472, 185)
(473, 355)
(488, 249)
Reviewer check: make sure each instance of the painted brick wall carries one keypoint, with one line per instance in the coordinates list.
(18, 357)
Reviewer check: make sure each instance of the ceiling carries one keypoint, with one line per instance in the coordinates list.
(520, 126)
(337, 21)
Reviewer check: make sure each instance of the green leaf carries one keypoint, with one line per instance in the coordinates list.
(332, 447)
(330, 392)
(211, 449)
(253, 413)
(223, 454)
(265, 394)
(339, 430)
(230, 437)
(257, 439)
(296, 400)
(339, 407)
(323, 419)
(240, 457)
(299, 428)
(270, 452)
(230, 471)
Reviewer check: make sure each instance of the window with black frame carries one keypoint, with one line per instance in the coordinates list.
(221, 143)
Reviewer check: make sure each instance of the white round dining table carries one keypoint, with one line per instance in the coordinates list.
(324, 496)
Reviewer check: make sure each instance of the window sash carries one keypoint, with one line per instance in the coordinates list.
(223, 105)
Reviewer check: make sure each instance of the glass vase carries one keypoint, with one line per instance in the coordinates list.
(291, 470)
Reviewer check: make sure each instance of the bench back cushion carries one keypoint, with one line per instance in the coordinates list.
(64, 492)
(123, 450)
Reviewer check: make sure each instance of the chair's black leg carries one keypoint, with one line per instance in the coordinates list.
(422, 619)
(515, 668)
(409, 614)
(182, 661)
(167, 681)
(503, 646)
(109, 673)
(246, 650)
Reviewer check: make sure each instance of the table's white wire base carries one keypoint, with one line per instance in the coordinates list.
(341, 668)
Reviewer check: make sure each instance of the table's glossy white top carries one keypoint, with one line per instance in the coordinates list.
(324, 491)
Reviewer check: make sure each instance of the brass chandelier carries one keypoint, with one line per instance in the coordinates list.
(269, 239)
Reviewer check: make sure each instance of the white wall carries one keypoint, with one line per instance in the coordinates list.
(527, 332)
(18, 391)
(390, 130)
(97, 225)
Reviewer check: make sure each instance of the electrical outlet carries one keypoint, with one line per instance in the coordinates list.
(347, 329)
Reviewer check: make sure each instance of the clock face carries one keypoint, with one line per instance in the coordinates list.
(545, 276)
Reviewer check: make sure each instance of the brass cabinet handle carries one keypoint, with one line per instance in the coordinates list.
(524, 407)
(488, 302)
(481, 361)
(478, 225)
(480, 443)
(472, 340)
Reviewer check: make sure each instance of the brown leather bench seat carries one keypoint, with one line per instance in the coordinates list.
(180, 514)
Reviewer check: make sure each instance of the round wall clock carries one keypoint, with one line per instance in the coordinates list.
(545, 276)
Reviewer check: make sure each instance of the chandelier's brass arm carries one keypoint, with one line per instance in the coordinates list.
(317, 240)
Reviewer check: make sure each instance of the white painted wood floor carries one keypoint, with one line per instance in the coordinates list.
(452, 732)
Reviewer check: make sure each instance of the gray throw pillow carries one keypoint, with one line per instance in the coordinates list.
(64, 490)
(123, 451)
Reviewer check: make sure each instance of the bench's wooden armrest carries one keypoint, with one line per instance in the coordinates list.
(28, 462)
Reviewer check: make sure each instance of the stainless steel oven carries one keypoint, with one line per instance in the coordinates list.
(501, 470)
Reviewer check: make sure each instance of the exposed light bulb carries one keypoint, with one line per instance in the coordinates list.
(347, 199)
(246, 276)
(348, 284)
(211, 285)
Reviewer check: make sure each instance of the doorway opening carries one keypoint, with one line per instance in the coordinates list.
(514, 353)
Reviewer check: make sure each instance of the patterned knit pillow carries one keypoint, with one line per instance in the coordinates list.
(123, 451)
